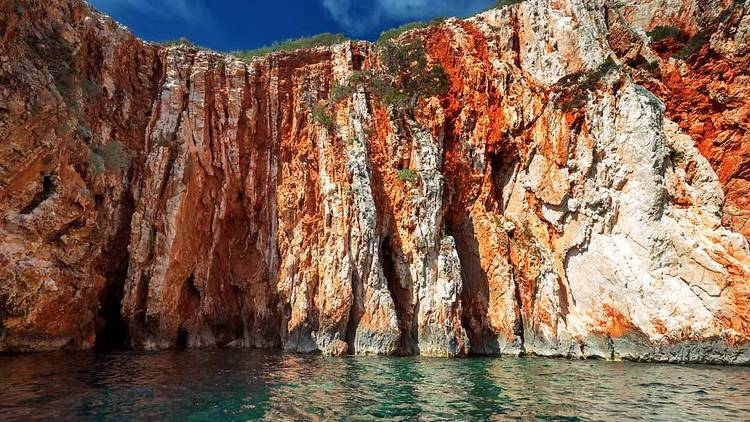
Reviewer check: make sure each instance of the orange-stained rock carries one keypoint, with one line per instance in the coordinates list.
(553, 205)
(708, 95)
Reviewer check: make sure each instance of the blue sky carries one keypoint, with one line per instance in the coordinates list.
(246, 24)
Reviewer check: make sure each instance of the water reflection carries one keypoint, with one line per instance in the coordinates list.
(235, 385)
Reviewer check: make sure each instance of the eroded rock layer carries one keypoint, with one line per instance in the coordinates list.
(580, 190)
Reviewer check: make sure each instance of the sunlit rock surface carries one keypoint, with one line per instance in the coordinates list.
(581, 190)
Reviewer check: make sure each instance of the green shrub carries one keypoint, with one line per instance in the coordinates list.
(182, 41)
(576, 87)
(320, 40)
(407, 175)
(387, 93)
(162, 141)
(19, 9)
(573, 101)
(664, 32)
(321, 117)
(403, 59)
(601, 71)
(436, 82)
(695, 44)
(650, 67)
(588, 80)
(96, 162)
(407, 75)
(115, 156)
(84, 132)
(720, 97)
(394, 33)
(92, 88)
(502, 3)
(677, 156)
(340, 91)
(109, 157)
(61, 63)
(404, 77)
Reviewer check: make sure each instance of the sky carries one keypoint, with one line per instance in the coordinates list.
(227, 25)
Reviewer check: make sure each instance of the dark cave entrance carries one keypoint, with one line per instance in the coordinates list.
(402, 299)
(182, 338)
(111, 327)
(190, 301)
(475, 292)
(112, 331)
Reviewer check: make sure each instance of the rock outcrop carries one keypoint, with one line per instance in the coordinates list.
(580, 189)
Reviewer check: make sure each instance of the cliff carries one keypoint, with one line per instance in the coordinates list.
(575, 187)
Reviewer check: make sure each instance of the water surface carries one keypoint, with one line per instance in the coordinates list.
(247, 385)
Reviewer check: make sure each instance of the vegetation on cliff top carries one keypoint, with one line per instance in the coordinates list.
(319, 40)
(394, 33)
(182, 41)
(324, 39)
(503, 3)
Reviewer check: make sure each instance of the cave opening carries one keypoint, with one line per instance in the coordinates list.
(475, 292)
(112, 329)
(358, 61)
(355, 314)
(503, 168)
(190, 300)
(182, 338)
(402, 299)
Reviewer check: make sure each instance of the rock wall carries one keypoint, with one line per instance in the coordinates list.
(568, 196)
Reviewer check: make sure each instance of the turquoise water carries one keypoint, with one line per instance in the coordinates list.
(243, 385)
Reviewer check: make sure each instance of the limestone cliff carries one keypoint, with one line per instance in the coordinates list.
(580, 188)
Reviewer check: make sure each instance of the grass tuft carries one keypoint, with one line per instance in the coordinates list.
(407, 175)
(395, 33)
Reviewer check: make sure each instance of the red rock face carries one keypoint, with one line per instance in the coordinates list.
(545, 204)
(708, 96)
(71, 82)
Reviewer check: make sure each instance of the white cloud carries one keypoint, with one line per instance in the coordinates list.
(360, 16)
(185, 10)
